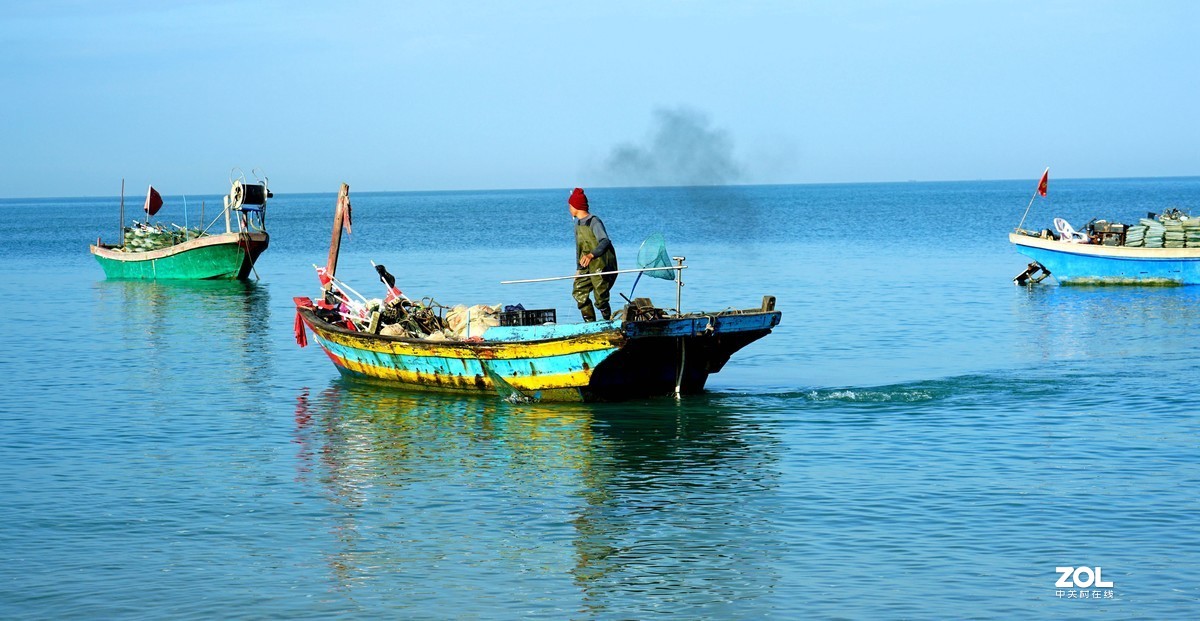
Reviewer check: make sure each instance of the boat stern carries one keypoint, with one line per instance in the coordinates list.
(676, 355)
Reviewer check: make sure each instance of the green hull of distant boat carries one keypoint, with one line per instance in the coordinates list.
(227, 255)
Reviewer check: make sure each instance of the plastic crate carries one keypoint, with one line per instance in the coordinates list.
(528, 317)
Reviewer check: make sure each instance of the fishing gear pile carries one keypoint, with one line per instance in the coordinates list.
(398, 315)
(143, 237)
(1171, 229)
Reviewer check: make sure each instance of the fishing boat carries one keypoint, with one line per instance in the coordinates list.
(643, 351)
(1114, 254)
(149, 251)
(1160, 249)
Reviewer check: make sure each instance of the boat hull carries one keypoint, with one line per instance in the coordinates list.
(1084, 264)
(597, 361)
(223, 256)
(648, 364)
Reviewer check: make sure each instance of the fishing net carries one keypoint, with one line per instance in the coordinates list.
(144, 238)
(653, 253)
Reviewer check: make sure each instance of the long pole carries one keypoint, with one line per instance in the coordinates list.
(122, 212)
(1031, 198)
(335, 243)
(645, 269)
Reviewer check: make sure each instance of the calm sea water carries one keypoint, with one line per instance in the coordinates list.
(919, 439)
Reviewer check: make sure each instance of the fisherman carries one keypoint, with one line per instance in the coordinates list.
(594, 253)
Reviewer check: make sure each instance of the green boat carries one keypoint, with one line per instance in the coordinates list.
(154, 252)
(225, 255)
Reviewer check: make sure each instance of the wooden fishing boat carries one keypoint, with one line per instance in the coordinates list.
(596, 361)
(225, 255)
(647, 351)
(147, 252)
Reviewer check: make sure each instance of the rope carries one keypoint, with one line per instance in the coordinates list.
(246, 235)
(214, 221)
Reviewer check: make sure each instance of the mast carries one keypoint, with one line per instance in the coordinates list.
(339, 216)
(122, 212)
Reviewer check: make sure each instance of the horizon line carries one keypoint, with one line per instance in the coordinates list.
(619, 187)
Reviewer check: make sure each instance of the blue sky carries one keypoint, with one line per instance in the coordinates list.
(489, 95)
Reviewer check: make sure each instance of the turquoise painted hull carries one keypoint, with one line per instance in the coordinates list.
(598, 361)
(550, 369)
(1075, 264)
(222, 256)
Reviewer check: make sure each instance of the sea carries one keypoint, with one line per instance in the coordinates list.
(918, 439)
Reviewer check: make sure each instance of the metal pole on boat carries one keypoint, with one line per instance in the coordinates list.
(679, 285)
(122, 212)
(682, 340)
(645, 269)
(682, 362)
(343, 286)
(1032, 198)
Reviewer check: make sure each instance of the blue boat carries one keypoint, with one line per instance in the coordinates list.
(1074, 261)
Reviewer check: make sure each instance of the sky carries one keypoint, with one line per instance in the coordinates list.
(450, 95)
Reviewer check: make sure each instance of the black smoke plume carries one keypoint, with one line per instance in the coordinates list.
(681, 150)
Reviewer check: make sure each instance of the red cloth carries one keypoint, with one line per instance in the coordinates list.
(578, 200)
(1044, 182)
(301, 334)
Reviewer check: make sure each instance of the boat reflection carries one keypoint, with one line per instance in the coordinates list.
(680, 507)
(1098, 321)
(162, 325)
(651, 498)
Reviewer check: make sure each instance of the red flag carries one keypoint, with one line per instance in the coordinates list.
(153, 201)
(323, 276)
(1044, 182)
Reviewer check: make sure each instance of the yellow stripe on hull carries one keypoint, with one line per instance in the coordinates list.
(479, 351)
(558, 385)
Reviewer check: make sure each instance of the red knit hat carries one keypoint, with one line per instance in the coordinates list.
(578, 200)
